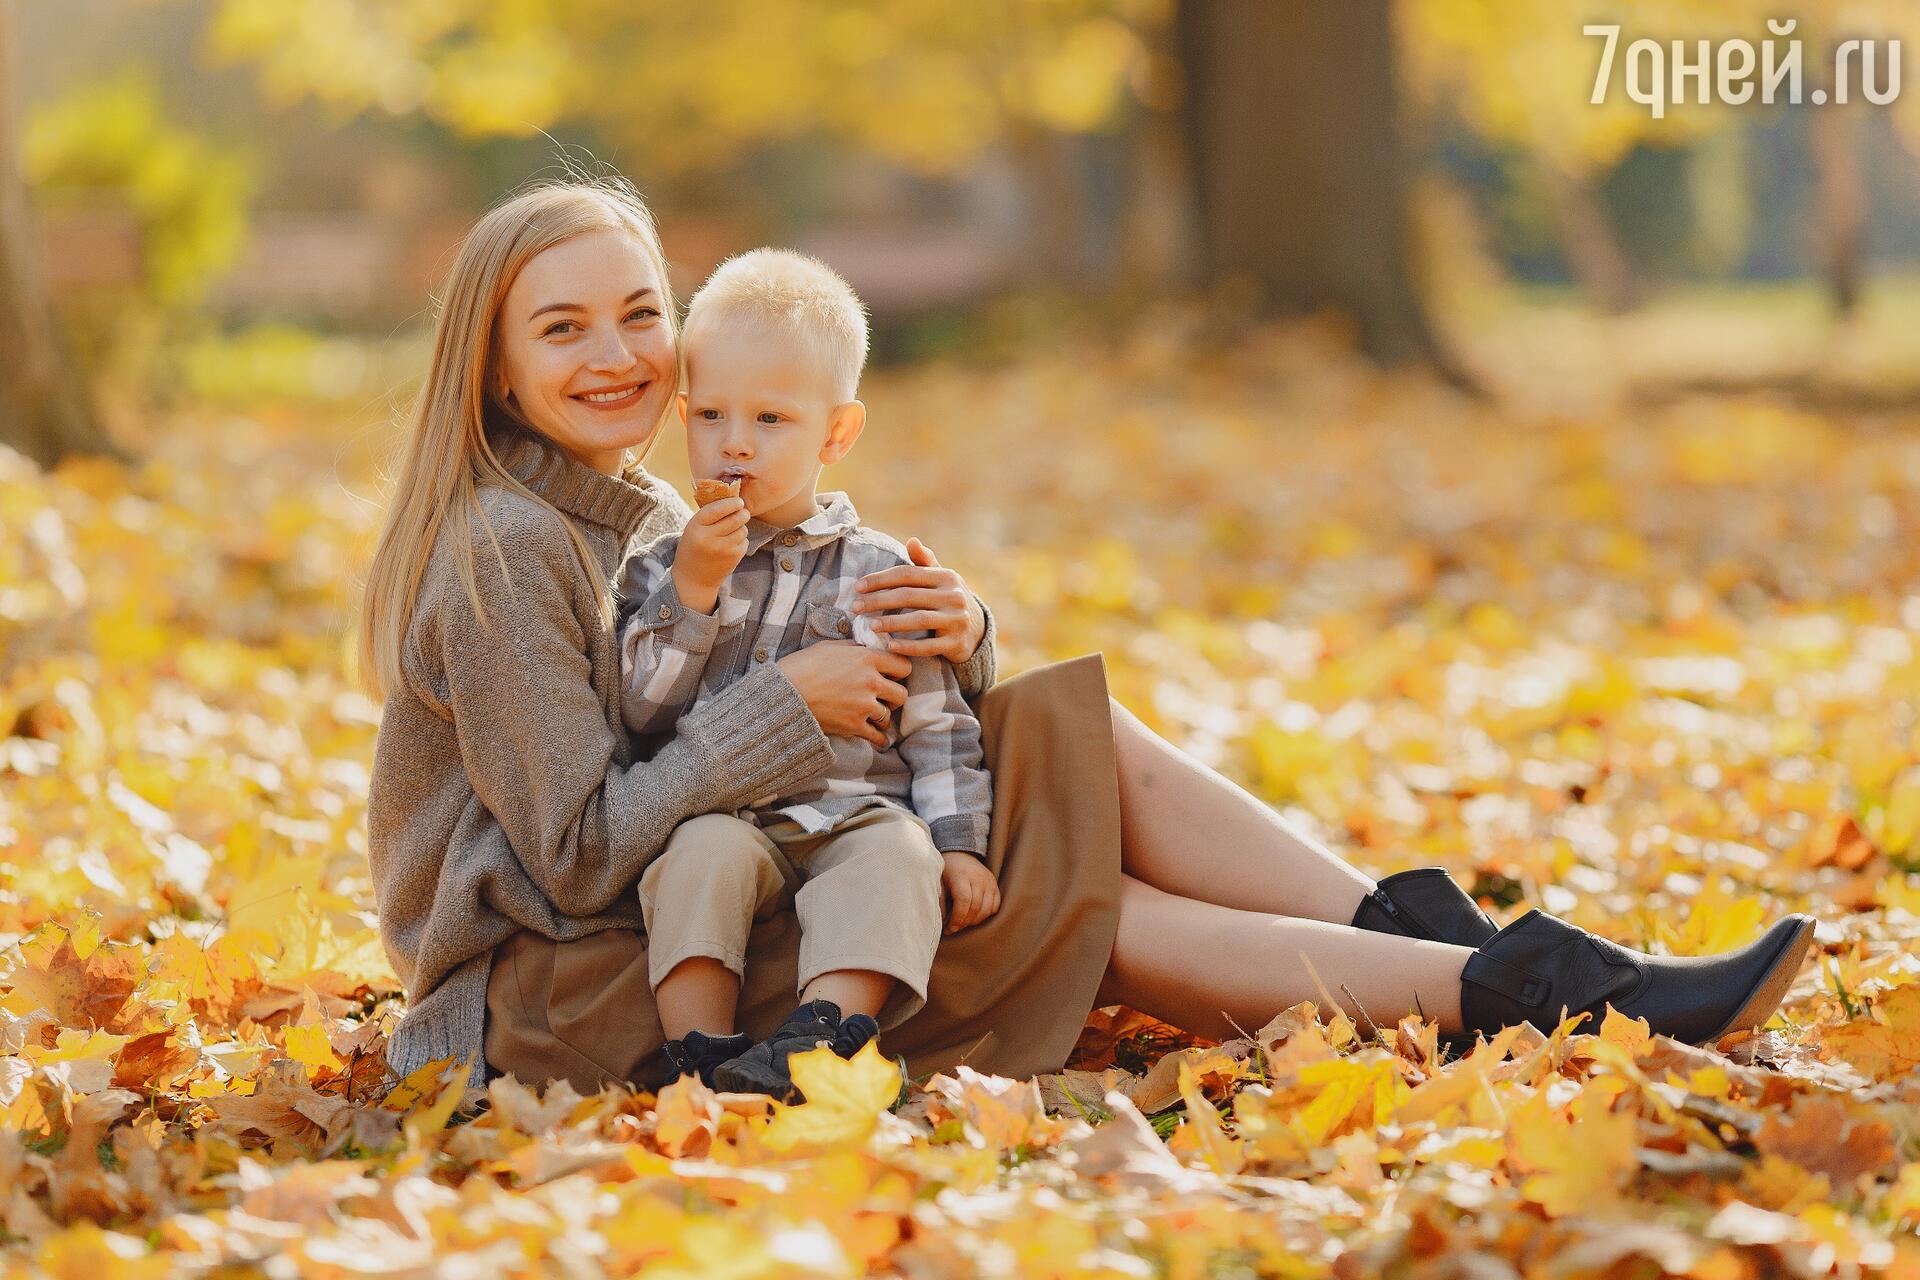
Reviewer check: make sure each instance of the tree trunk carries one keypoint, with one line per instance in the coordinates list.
(43, 409)
(1595, 259)
(1057, 206)
(1834, 135)
(1291, 115)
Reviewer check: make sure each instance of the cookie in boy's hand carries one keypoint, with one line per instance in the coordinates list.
(706, 491)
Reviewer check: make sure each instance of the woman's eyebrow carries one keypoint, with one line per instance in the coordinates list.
(637, 294)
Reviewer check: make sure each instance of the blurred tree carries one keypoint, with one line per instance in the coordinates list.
(44, 409)
(1291, 106)
(1522, 75)
(108, 145)
(1834, 136)
(1292, 111)
(691, 89)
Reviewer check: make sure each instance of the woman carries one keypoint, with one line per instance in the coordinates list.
(510, 818)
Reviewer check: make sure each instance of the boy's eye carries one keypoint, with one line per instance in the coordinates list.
(708, 414)
(769, 417)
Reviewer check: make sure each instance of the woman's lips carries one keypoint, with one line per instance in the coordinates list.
(623, 402)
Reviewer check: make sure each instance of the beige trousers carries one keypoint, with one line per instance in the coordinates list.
(1007, 996)
(867, 894)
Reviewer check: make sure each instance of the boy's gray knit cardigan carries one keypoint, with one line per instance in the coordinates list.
(506, 793)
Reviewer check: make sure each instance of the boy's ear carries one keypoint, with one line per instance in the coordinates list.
(844, 426)
(680, 402)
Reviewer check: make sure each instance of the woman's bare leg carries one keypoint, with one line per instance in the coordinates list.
(1189, 831)
(1217, 971)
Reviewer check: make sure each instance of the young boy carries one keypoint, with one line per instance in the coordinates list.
(774, 343)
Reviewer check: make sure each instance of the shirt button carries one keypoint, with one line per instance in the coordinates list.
(790, 539)
(666, 611)
(759, 655)
(844, 627)
(786, 562)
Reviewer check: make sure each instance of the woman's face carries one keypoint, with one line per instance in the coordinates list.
(585, 347)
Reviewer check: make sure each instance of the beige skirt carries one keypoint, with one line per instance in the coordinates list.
(1008, 996)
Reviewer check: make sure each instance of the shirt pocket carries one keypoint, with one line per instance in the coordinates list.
(826, 622)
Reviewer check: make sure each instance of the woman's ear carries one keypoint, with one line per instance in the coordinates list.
(844, 426)
(680, 402)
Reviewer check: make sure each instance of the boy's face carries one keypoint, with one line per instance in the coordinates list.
(761, 407)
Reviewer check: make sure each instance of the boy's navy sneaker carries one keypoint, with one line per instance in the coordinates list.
(697, 1054)
(763, 1068)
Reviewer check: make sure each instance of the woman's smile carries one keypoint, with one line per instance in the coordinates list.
(613, 397)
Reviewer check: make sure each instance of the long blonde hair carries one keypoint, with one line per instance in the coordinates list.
(448, 454)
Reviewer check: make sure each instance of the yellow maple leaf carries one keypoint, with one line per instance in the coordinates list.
(1572, 1169)
(1903, 1200)
(1365, 1090)
(1631, 1034)
(1201, 1133)
(88, 990)
(845, 1097)
(431, 1117)
(1718, 921)
(310, 1047)
(1887, 1047)
(685, 1118)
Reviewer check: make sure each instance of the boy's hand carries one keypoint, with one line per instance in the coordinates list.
(972, 892)
(711, 547)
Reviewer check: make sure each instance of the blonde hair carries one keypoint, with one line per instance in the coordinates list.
(449, 456)
(788, 293)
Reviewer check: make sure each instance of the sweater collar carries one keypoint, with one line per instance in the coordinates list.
(834, 518)
(619, 503)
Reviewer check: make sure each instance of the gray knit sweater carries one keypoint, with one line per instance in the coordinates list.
(506, 793)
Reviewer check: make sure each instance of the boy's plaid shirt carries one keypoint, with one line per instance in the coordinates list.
(793, 588)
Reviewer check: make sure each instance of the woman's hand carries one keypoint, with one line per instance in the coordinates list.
(972, 892)
(928, 598)
(852, 690)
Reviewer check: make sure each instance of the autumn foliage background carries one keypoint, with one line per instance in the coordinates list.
(1623, 627)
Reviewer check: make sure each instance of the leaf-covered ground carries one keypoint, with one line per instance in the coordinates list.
(1654, 672)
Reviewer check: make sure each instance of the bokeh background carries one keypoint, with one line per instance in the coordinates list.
(248, 199)
(1481, 476)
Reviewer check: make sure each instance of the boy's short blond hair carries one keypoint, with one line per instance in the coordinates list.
(791, 294)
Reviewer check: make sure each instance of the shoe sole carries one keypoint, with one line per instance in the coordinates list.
(1766, 997)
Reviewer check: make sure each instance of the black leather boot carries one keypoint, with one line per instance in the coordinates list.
(697, 1054)
(1425, 903)
(1540, 965)
(763, 1068)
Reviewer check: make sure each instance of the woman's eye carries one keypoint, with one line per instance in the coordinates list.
(642, 311)
(556, 327)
